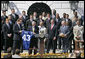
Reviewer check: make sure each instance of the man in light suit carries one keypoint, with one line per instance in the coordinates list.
(63, 34)
(78, 32)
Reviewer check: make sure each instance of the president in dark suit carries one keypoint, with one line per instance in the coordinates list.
(17, 40)
(7, 32)
(34, 40)
(51, 36)
(14, 16)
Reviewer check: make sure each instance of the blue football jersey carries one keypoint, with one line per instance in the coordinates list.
(26, 37)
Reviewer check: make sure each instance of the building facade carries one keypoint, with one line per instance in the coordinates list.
(60, 6)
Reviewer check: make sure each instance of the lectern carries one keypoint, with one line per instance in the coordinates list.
(41, 37)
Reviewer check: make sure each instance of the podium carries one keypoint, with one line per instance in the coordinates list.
(41, 37)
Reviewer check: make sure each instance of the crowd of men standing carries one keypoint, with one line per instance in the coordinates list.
(63, 30)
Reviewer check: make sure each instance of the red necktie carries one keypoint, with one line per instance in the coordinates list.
(51, 26)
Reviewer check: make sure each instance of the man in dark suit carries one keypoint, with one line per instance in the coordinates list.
(57, 20)
(82, 20)
(29, 22)
(14, 16)
(69, 23)
(3, 17)
(17, 40)
(51, 36)
(47, 22)
(63, 34)
(7, 32)
(68, 20)
(24, 18)
(53, 13)
(39, 20)
(34, 40)
(10, 20)
(64, 16)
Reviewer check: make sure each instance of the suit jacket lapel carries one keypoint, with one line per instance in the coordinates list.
(7, 26)
(18, 27)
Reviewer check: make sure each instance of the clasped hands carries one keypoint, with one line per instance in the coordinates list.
(62, 35)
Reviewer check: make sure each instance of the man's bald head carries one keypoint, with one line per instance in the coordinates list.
(41, 23)
(63, 23)
(33, 23)
(78, 22)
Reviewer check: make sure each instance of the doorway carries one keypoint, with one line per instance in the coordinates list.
(39, 8)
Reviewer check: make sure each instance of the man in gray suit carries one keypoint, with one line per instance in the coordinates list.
(63, 34)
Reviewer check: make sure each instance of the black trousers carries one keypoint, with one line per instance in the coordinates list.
(59, 42)
(7, 43)
(17, 44)
(65, 43)
(51, 43)
(33, 43)
(1, 43)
